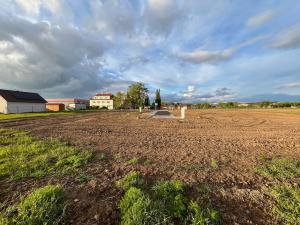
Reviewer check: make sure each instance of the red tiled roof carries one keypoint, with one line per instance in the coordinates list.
(68, 100)
(104, 94)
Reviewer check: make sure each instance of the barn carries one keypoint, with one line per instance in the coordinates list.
(20, 102)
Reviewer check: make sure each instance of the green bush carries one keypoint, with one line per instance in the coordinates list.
(280, 168)
(171, 196)
(132, 179)
(287, 204)
(4, 220)
(43, 206)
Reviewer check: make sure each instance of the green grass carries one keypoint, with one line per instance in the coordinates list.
(279, 168)
(133, 161)
(22, 155)
(28, 115)
(45, 206)
(165, 203)
(132, 179)
(287, 207)
(214, 164)
(286, 196)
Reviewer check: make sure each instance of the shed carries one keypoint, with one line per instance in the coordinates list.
(20, 102)
(55, 107)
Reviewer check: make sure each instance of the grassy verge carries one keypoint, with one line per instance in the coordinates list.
(44, 205)
(22, 155)
(28, 115)
(286, 193)
(164, 203)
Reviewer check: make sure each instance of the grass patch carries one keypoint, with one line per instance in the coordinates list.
(286, 196)
(132, 179)
(278, 168)
(191, 167)
(214, 164)
(287, 203)
(118, 157)
(133, 161)
(164, 203)
(43, 206)
(204, 189)
(83, 177)
(100, 157)
(28, 115)
(22, 155)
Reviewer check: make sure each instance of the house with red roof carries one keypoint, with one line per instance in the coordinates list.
(102, 100)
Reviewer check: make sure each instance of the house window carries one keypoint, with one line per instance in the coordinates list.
(108, 102)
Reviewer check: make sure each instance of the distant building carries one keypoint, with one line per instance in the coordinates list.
(102, 100)
(20, 102)
(71, 103)
(55, 107)
(243, 104)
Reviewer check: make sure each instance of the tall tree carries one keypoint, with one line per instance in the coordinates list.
(147, 101)
(157, 98)
(120, 100)
(136, 95)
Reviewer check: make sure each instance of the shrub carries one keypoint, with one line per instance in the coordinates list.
(287, 203)
(170, 194)
(199, 216)
(43, 206)
(132, 179)
(4, 220)
(280, 168)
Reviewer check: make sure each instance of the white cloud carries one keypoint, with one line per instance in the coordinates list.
(293, 85)
(190, 91)
(33, 7)
(289, 38)
(203, 56)
(260, 19)
(161, 15)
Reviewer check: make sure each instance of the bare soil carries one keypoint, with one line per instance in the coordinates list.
(218, 148)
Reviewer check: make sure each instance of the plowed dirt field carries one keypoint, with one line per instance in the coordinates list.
(218, 148)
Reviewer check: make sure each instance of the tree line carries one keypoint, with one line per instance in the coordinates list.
(137, 95)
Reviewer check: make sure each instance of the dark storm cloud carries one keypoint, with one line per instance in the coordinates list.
(39, 55)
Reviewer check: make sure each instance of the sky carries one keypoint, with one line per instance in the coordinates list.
(192, 50)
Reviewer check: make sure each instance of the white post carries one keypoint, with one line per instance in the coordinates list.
(140, 109)
(183, 112)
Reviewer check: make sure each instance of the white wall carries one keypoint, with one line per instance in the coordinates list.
(3, 105)
(21, 107)
(102, 103)
(77, 106)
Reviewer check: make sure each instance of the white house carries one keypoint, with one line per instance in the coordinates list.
(102, 100)
(71, 103)
(20, 102)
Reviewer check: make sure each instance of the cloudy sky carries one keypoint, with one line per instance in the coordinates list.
(193, 50)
